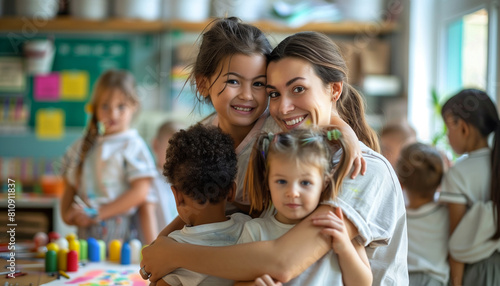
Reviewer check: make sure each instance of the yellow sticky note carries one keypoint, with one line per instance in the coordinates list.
(49, 123)
(74, 85)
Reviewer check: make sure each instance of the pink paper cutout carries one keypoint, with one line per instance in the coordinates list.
(46, 87)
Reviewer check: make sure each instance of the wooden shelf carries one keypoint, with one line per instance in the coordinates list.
(68, 24)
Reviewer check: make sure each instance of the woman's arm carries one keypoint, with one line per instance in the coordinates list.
(283, 259)
(456, 211)
(133, 197)
(352, 140)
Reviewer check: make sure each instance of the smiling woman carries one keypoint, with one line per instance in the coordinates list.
(307, 84)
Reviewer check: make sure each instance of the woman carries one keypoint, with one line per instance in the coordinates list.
(307, 84)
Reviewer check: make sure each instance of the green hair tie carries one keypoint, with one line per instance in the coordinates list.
(333, 134)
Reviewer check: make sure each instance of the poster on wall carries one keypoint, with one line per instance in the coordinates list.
(13, 78)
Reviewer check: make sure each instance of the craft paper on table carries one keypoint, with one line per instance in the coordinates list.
(46, 87)
(74, 85)
(104, 273)
(13, 78)
(49, 123)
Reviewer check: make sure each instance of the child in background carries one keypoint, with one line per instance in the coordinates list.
(108, 172)
(160, 203)
(420, 169)
(201, 167)
(393, 137)
(470, 117)
(293, 173)
(166, 210)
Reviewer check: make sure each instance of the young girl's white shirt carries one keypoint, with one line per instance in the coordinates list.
(468, 183)
(109, 167)
(265, 123)
(428, 228)
(211, 234)
(325, 270)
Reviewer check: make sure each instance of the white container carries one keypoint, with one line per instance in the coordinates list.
(89, 9)
(192, 10)
(38, 9)
(138, 9)
(39, 55)
(362, 10)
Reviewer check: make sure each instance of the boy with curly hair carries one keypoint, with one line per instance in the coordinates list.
(201, 168)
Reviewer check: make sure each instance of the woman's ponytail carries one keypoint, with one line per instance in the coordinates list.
(351, 108)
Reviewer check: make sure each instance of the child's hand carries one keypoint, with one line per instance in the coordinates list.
(266, 280)
(334, 226)
(76, 216)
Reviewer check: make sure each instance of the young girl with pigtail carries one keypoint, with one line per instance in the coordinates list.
(471, 188)
(291, 173)
(108, 172)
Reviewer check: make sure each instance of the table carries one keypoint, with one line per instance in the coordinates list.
(92, 273)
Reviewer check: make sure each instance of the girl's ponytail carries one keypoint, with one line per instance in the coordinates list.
(255, 184)
(87, 144)
(343, 167)
(351, 108)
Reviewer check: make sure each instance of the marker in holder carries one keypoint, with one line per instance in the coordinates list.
(94, 250)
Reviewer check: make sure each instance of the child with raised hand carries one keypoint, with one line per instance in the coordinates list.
(292, 173)
(108, 172)
(420, 169)
(201, 168)
(470, 117)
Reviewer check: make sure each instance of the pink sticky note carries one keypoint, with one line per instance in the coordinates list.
(46, 87)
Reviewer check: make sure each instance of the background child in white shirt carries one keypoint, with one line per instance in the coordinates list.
(420, 169)
(108, 171)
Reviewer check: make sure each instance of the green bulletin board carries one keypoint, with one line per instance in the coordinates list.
(91, 55)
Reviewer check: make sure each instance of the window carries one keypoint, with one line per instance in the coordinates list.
(466, 53)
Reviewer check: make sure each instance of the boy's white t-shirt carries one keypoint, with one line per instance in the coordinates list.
(212, 234)
(325, 271)
(428, 228)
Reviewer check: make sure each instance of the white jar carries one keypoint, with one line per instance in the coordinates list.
(89, 9)
(39, 56)
(39, 9)
(138, 9)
